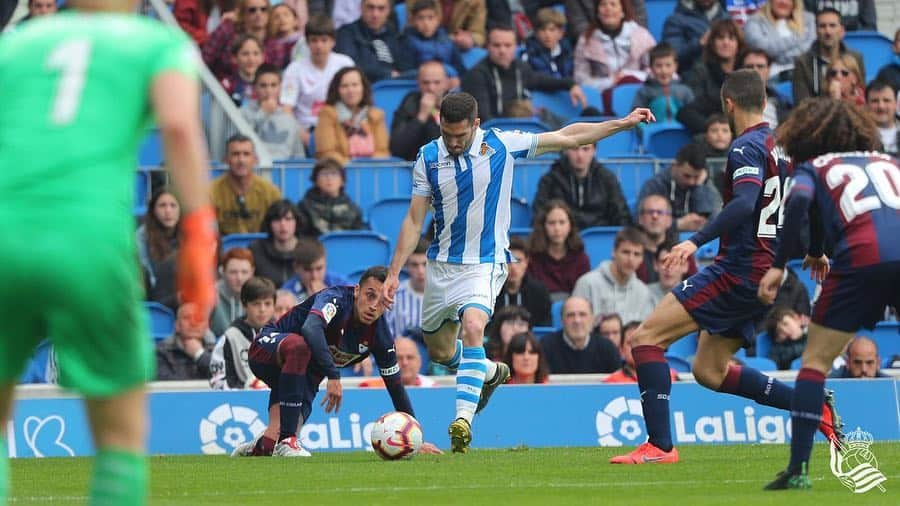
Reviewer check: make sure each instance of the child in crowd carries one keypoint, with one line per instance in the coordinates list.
(277, 129)
(663, 93)
(715, 141)
(548, 50)
(788, 334)
(312, 275)
(326, 207)
(286, 26)
(228, 368)
(248, 56)
(429, 41)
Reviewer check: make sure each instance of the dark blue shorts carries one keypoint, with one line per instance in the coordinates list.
(263, 362)
(855, 298)
(722, 303)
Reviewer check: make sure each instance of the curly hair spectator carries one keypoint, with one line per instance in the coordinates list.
(274, 255)
(507, 322)
(157, 240)
(784, 30)
(614, 49)
(326, 207)
(556, 252)
(526, 361)
(237, 266)
(350, 126)
(844, 81)
(252, 19)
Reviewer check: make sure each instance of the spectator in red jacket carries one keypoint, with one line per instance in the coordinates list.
(252, 19)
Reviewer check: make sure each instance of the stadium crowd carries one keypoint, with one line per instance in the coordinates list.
(302, 75)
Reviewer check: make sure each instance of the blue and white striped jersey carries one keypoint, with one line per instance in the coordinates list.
(407, 311)
(471, 195)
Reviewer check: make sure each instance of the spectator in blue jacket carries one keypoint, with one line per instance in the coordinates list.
(687, 29)
(374, 44)
(686, 185)
(429, 41)
(548, 51)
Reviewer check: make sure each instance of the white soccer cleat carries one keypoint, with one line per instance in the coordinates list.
(290, 447)
(244, 449)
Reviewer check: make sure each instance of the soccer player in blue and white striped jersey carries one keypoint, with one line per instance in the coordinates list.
(466, 176)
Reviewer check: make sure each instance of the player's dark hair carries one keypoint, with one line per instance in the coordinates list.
(379, 272)
(720, 29)
(238, 254)
(279, 209)
(630, 234)
(879, 85)
(257, 288)
(519, 344)
(824, 125)
(517, 243)
(539, 243)
(424, 5)
(237, 138)
(308, 251)
(333, 96)
(421, 247)
(267, 68)
(494, 346)
(693, 155)
(663, 248)
(320, 25)
(750, 51)
(746, 89)
(161, 242)
(831, 10)
(241, 40)
(662, 50)
(460, 106)
(715, 119)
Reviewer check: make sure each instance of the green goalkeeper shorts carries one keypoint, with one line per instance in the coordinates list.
(80, 288)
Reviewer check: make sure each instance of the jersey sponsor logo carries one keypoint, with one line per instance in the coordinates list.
(328, 312)
(446, 164)
(341, 358)
(390, 370)
(746, 171)
(226, 427)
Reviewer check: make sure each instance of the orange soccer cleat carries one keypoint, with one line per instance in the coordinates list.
(647, 454)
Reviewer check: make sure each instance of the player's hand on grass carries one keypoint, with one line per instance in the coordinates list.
(389, 289)
(679, 254)
(430, 449)
(638, 116)
(333, 395)
(769, 284)
(819, 267)
(196, 275)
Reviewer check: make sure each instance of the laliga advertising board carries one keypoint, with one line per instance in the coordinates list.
(534, 415)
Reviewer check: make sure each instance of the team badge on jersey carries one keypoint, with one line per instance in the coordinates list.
(486, 150)
(328, 311)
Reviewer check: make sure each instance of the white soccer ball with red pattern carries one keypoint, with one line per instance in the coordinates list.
(396, 436)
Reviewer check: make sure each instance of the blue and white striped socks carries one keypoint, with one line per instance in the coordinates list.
(469, 381)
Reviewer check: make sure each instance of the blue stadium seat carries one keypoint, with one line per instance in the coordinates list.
(522, 232)
(520, 213)
(876, 49)
(540, 332)
(400, 13)
(526, 176)
(349, 252)
(368, 183)
(663, 140)
(623, 96)
(162, 320)
(620, 144)
(741, 354)
(786, 90)
(389, 93)
(796, 363)
(760, 363)
(657, 12)
(685, 347)
(150, 153)
(763, 344)
(560, 104)
(240, 240)
(808, 282)
(296, 180)
(386, 217)
(886, 336)
(556, 314)
(474, 55)
(678, 363)
(141, 192)
(598, 243)
(709, 250)
(523, 124)
(633, 171)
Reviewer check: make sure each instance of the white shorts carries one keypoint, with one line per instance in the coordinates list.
(452, 288)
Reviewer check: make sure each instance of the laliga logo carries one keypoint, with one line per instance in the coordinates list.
(45, 447)
(619, 418)
(229, 426)
(857, 468)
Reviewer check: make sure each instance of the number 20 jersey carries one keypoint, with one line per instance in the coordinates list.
(857, 198)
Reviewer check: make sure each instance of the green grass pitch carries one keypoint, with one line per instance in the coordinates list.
(714, 475)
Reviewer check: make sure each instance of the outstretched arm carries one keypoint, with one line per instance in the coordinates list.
(579, 134)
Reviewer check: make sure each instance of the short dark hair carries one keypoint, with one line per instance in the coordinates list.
(630, 234)
(714, 119)
(237, 138)
(500, 27)
(333, 97)
(278, 210)
(241, 40)
(662, 50)
(665, 247)
(831, 10)
(266, 68)
(326, 164)
(379, 272)
(692, 154)
(418, 6)
(878, 85)
(257, 288)
(746, 88)
(308, 250)
(460, 106)
(753, 50)
(320, 25)
(516, 242)
(421, 247)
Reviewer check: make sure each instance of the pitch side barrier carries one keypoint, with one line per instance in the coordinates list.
(187, 418)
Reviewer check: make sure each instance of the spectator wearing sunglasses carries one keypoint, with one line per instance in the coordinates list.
(241, 197)
(811, 68)
(844, 80)
(252, 19)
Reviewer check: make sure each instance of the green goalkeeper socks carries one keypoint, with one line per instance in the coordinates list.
(119, 479)
(4, 471)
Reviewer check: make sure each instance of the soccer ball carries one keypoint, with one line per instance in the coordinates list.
(396, 435)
